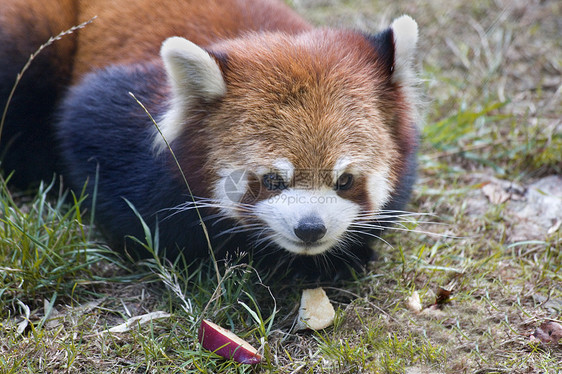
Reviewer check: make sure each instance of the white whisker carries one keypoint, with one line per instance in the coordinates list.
(241, 229)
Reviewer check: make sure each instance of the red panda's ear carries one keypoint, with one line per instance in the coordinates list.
(395, 47)
(194, 76)
(383, 43)
(193, 73)
(405, 33)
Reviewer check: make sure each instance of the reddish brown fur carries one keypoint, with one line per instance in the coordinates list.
(333, 91)
(129, 31)
(133, 30)
(33, 22)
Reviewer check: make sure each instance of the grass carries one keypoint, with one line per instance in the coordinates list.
(494, 109)
(45, 248)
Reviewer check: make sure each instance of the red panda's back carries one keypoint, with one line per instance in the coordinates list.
(130, 31)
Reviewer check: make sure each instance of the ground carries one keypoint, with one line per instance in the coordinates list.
(483, 253)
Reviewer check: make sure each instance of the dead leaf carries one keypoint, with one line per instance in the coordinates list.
(556, 225)
(443, 296)
(138, 320)
(540, 214)
(52, 316)
(413, 303)
(548, 332)
(22, 326)
(495, 193)
(433, 311)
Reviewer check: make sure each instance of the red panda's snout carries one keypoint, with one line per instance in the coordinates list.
(310, 229)
(307, 222)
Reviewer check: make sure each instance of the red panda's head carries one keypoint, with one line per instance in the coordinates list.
(307, 134)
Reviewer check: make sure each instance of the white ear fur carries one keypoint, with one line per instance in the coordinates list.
(405, 31)
(193, 74)
(191, 70)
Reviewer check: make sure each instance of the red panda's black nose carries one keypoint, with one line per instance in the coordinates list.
(310, 229)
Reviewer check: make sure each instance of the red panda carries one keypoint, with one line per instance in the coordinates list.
(296, 142)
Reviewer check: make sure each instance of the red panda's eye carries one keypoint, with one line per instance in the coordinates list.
(273, 181)
(345, 182)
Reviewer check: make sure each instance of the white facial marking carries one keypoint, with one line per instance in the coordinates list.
(339, 167)
(378, 189)
(285, 167)
(230, 190)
